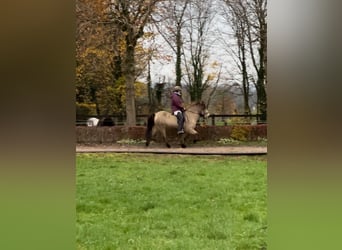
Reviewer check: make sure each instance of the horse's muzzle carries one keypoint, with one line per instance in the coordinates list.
(205, 114)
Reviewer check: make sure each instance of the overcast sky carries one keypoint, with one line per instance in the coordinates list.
(220, 29)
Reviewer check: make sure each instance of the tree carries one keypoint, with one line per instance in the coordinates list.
(223, 101)
(96, 68)
(170, 23)
(258, 33)
(252, 15)
(131, 17)
(148, 52)
(109, 53)
(235, 16)
(196, 50)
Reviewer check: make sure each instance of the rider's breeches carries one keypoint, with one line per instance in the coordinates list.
(180, 120)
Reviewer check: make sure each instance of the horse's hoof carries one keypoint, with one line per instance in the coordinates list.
(183, 145)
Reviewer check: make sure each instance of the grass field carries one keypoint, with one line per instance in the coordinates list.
(135, 201)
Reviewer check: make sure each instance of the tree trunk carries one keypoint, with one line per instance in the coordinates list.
(129, 73)
(261, 94)
(149, 87)
(178, 57)
(262, 79)
(245, 82)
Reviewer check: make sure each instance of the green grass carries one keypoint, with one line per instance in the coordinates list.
(135, 201)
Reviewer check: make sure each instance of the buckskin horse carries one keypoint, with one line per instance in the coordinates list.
(160, 121)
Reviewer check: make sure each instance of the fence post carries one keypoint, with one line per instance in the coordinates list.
(213, 120)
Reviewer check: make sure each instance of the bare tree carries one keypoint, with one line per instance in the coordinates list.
(257, 38)
(248, 17)
(170, 23)
(196, 49)
(235, 16)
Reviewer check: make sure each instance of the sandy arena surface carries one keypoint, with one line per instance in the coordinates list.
(175, 149)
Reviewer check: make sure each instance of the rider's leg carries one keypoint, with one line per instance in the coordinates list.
(180, 121)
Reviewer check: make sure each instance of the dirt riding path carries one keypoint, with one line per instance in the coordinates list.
(159, 149)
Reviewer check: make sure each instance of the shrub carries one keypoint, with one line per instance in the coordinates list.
(240, 133)
(238, 120)
(85, 109)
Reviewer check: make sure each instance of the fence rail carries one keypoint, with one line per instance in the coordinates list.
(213, 119)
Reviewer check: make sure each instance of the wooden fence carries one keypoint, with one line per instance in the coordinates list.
(213, 119)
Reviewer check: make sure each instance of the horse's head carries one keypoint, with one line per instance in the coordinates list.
(203, 111)
(206, 114)
(199, 108)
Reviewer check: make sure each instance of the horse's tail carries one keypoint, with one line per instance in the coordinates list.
(150, 124)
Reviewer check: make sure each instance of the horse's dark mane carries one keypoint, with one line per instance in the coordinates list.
(197, 104)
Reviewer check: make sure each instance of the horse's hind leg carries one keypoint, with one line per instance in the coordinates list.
(165, 139)
(149, 136)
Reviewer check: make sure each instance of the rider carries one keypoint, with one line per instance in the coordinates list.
(177, 107)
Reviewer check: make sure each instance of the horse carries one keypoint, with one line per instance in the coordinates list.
(160, 121)
(95, 122)
(92, 122)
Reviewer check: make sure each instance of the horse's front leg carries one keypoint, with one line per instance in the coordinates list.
(182, 140)
(195, 138)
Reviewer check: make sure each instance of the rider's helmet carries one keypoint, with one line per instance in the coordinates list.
(177, 88)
